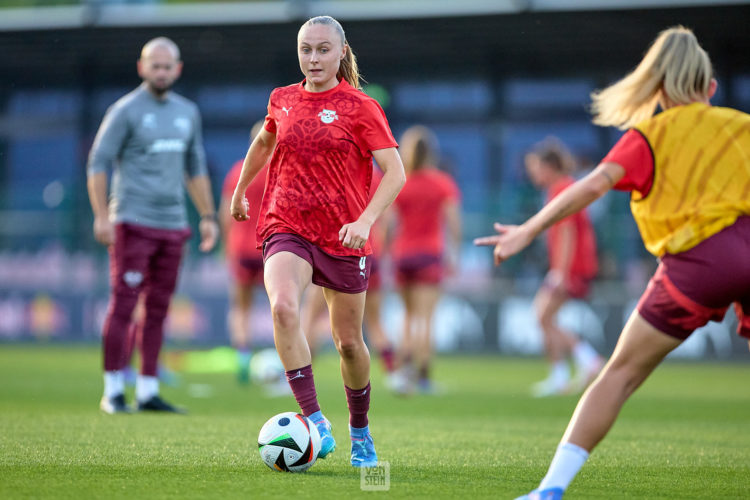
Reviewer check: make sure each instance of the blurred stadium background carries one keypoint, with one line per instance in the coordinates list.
(491, 77)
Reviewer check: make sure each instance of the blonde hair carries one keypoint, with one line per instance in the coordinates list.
(348, 70)
(419, 148)
(554, 153)
(675, 67)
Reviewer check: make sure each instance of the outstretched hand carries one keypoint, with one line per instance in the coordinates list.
(509, 241)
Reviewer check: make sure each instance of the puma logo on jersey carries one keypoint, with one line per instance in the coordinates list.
(286, 110)
(362, 263)
(327, 116)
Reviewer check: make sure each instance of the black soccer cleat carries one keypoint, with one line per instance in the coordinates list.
(114, 404)
(158, 404)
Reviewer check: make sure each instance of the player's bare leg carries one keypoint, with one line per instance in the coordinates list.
(640, 349)
(559, 345)
(401, 381)
(286, 277)
(425, 299)
(239, 327)
(346, 312)
(314, 317)
(374, 328)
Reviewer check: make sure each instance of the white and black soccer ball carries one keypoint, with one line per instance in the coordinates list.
(266, 367)
(289, 442)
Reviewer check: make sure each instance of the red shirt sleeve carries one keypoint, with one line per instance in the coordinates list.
(633, 153)
(372, 131)
(270, 121)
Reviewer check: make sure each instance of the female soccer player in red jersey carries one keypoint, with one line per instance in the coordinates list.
(244, 260)
(571, 250)
(426, 209)
(688, 171)
(321, 136)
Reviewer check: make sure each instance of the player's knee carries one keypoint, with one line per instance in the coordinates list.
(545, 319)
(285, 313)
(350, 346)
(123, 304)
(625, 374)
(157, 304)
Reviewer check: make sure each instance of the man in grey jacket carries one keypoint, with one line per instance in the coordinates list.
(151, 138)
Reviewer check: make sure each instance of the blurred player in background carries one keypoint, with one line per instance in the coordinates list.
(688, 171)
(244, 259)
(427, 213)
(571, 249)
(321, 136)
(152, 136)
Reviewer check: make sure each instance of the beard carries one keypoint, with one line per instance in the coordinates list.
(159, 88)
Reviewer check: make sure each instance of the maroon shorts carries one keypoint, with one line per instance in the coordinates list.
(419, 269)
(694, 287)
(348, 274)
(246, 270)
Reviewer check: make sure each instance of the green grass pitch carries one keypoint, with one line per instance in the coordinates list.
(684, 434)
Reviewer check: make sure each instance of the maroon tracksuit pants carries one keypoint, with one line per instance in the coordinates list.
(142, 260)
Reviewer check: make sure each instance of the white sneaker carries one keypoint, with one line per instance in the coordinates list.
(400, 383)
(550, 387)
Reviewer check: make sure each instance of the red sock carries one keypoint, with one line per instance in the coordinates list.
(303, 386)
(387, 356)
(358, 401)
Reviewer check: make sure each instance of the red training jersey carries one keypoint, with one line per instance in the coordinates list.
(584, 262)
(241, 235)
(320, 172)
(419, 206)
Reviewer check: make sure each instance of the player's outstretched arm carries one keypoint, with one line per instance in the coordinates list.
(512, 239)
(257, 156)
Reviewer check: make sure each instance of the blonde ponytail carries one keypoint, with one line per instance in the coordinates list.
(348, 70)
(675, 68)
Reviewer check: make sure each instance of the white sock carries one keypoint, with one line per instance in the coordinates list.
(560, 372)
(583, 354)
(114, 383)
(566, 463)
(145, 388)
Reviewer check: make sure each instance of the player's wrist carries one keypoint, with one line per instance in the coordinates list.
(209, 216)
